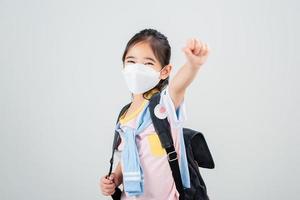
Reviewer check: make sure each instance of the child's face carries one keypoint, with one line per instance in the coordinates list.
(142, 53)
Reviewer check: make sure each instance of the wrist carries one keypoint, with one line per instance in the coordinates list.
(193, 66)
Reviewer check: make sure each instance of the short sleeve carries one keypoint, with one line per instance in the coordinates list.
(176, 117)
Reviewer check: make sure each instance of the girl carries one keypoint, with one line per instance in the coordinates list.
(143, 169)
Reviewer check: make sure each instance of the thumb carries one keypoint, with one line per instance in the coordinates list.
(111, 177)
(187, 51)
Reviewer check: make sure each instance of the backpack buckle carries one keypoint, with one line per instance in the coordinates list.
(172, 156)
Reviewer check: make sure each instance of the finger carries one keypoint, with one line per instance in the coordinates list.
(106, 181)
(103, 191)
(198, 47)
(108, 185)
(190, 44)
(111, 177)
(194, 43)
(187, 51)
(204, 51)
(109, 191)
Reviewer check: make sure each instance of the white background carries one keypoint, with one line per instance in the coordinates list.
(61, 90)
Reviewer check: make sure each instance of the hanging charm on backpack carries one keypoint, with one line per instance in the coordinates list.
(160, 111)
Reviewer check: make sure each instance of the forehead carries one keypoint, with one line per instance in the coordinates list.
(140, 50)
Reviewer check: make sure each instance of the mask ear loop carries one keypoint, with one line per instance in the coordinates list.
(161, 70)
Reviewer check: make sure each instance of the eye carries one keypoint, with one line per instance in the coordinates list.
(130, 61)
(148, 63)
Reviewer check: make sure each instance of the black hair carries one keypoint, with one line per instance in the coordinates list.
(161, 49)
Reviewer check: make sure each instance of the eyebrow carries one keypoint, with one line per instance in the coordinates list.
(148, 58)
(127, 57)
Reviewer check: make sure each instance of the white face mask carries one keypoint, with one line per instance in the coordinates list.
(140, 78)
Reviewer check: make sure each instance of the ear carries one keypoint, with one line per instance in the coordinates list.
(166, 71)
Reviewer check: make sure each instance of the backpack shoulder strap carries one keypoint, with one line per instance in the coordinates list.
(162, 128)
(117, 138)
(123, 111)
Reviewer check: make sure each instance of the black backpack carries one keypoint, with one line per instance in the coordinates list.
(197, 152)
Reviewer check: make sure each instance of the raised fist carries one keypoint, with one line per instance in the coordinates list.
(196, 52)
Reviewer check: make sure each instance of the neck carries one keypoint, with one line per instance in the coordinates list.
(137, 98)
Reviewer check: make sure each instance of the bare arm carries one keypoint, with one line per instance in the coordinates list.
(196, 53)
